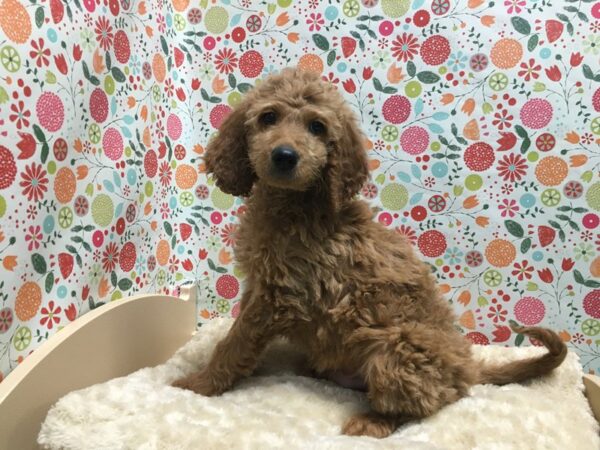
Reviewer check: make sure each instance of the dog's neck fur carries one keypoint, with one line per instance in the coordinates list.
(284, 208)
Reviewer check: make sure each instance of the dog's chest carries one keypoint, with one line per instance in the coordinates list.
(299, 261)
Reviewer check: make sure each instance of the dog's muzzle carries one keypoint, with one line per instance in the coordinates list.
(284, 159)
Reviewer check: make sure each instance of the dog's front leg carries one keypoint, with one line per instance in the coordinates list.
(237, 355)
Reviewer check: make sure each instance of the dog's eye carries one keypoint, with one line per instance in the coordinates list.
(268, 118)
(316, 127)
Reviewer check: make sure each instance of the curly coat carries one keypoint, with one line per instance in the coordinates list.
(323, 274)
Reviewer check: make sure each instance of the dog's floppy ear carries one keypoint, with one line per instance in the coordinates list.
(227, 154)
(348, 170)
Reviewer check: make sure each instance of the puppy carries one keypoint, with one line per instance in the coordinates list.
(320, 272)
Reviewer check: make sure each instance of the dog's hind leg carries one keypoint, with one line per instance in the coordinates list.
(411, 371)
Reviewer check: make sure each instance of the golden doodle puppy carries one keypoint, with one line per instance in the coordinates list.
(320, 272)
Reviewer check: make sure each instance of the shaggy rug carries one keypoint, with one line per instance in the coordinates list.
(278, 409)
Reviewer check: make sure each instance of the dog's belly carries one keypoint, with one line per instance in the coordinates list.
(327, 355)
(346, 379)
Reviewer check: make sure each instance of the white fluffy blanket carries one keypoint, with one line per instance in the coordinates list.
(277, 409)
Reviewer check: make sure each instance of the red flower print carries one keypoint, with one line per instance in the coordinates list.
(110, 257)
(194, 16)
(61, 63)
(514, 6)
(33, 236)
(169, 87)
(60, 149)
(31, 212)
(39, 54)
(408, 233)
(479, 62)
(21, 115)
(405, 47)
(315, 22)
(147, 70)
(34, 182)
(164, 173)
(497, 313)
(228, 234)
(501, 333)
(367, 73)
(159, 129)
(508, 208)
(587, 138)
(502, 119)
(429, 182)
(546, 275)
(507, 141)
(27, 145)
(165, 211)
(369, 190)
(512, 167)
(254, 23)
(567, 264)
(545, 142)
(71, 312)
(173, 264)
(50, 315)
(151, 263)
(226, 61)
(331, 78)
(162, 24)
(522, 271)
(77, 52)
(440, 7)
(474, 258)
(554, 73)
(104, 34)
(507, 189)
(202, 192)
(573, 189)
(6, 319)
(530, 70)
(576, 59)
(187, 264)
(81, 205)
(349, 86)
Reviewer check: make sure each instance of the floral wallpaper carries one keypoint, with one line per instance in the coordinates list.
(483, 119)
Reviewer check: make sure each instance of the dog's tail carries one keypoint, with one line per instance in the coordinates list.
(522, 370)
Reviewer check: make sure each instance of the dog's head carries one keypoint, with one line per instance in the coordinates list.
(293, 131)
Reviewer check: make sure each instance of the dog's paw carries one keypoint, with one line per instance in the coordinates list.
(370, 424)
(200, 383)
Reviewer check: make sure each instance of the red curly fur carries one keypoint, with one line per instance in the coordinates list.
(322, 273)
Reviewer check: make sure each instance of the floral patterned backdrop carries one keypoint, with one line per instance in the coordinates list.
(483, 120)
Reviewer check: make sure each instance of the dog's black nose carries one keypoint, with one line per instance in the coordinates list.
(284, 158)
